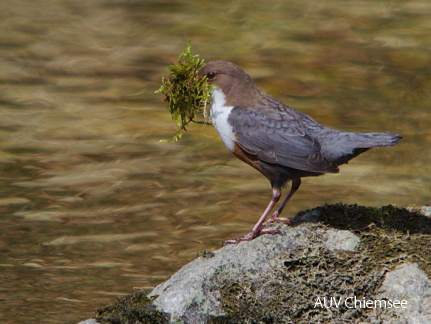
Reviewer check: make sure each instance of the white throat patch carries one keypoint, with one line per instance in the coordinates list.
(219, 117)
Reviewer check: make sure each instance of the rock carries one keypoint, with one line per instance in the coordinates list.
(341, 240)
(193, 293)
(407, 282)
(359, 254)
(424, 210)
(89, 321)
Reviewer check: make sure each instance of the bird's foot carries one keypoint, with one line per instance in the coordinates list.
(252, 235)
(275, 218)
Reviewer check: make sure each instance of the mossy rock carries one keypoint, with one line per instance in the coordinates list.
(134, 309)
(278, 278)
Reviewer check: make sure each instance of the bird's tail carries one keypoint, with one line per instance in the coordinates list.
(369, 140)
(357, 143)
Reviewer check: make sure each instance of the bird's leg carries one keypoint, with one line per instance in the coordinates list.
(296, 183)
(257, 229)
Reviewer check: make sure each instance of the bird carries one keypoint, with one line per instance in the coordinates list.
(280, 142)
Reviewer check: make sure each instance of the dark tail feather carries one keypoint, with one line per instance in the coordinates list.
(370, 140)
(363, 142)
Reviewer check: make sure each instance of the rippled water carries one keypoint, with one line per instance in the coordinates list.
(92, 205)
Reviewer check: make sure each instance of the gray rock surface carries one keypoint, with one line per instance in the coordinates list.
(424, 210)
(407, 282)
(89, 321)
(192, 294)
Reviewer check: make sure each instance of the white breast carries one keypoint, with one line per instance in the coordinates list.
(219, 117)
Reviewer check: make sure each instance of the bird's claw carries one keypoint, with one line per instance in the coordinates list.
(276, 219)
(252, 235)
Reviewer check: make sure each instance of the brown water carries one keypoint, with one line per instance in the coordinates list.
(92, 205)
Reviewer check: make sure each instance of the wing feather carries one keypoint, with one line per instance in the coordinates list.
(278, 140)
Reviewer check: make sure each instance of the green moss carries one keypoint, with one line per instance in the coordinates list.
(134, 309)
(187, 95)
(206, 254)
(361, 218)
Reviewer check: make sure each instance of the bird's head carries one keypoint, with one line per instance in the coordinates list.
(231, 79)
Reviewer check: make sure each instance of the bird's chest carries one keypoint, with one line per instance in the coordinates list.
(220, 118)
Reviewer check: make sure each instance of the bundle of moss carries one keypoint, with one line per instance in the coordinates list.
(187, 95)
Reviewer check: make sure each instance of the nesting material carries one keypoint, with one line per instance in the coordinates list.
(187, 95)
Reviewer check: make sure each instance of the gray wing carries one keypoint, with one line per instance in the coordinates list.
(278, 140)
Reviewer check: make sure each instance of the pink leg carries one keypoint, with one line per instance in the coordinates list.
(296, 183)
(257, 229)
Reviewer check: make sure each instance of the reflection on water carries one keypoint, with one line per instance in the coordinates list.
(93, 205)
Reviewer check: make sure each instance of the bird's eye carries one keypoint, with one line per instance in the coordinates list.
(211, 75)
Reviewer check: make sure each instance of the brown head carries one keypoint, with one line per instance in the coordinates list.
(237, 85)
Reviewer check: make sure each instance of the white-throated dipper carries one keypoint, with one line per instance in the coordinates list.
(278, 141)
